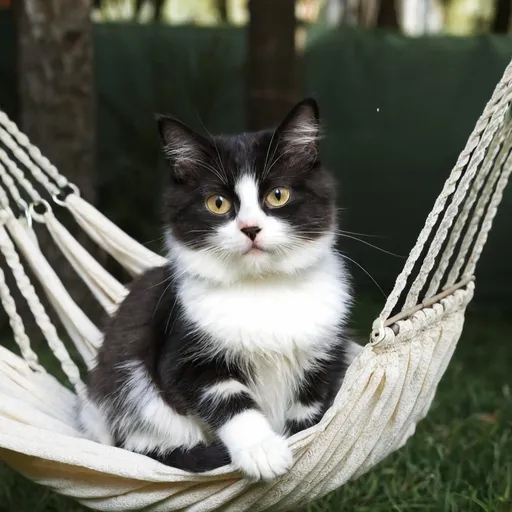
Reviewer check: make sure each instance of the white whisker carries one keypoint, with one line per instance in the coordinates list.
(268, 151)
(224, 178)
(365, 271)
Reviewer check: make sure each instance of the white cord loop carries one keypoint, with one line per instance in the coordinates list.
(43, 206)
(60, 198)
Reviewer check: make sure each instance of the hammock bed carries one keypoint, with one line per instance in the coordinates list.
(387, 390)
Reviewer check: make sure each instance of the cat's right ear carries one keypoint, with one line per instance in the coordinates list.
(182, 147)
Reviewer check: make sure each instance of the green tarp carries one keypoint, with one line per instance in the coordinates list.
(397, 113)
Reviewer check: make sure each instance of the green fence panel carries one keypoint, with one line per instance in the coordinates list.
(397, 112)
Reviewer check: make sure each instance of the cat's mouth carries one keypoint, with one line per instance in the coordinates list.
(254, 250)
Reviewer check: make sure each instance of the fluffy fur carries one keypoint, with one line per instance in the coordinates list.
(239, 341)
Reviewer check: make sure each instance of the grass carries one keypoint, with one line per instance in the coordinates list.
(460, 459)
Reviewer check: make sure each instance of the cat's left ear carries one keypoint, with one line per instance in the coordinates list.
(299, 133)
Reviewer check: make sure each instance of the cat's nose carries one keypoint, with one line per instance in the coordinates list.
(251, 231)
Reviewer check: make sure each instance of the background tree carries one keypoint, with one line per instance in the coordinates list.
(350, 12)
(55, 63)
(222, 10)
(158, 6)
(501, 20)
(387, 16)
(271, 62)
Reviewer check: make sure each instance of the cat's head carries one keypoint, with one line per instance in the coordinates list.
(248, 205)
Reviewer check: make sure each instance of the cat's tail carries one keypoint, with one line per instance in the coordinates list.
(197, 459)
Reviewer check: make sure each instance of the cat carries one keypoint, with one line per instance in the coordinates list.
(240, 340)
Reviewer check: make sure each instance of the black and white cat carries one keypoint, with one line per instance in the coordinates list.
(239, 341)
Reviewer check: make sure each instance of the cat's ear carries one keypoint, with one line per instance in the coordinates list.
(299, 133)
(183, 148)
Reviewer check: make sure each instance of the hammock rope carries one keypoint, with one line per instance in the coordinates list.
(469, 161)
(21, 147)
(462, 220)
(42, 319)
(387, 390)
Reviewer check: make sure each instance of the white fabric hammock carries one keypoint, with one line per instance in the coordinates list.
(387, 390)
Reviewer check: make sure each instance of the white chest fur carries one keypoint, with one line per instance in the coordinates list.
(274, 384)
(279, 325)
(273, 315)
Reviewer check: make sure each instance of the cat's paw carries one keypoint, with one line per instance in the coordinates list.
(265, 460)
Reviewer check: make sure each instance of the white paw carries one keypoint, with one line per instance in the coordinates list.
(265, 460)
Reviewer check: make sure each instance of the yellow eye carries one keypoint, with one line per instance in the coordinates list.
(218, 205)
(278, 197)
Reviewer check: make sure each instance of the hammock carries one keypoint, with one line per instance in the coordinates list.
(387, 390)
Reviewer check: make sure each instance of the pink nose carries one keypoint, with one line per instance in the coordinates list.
(251, 232)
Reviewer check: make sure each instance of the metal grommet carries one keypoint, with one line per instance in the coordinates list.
(39, 209)
(377, 337)
(378, 333)
(57, 199)
(69, 189)
(75, 189)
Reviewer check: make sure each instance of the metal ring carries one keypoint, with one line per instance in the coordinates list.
(57, 200)
(377, 336)
(61, 201)
(378, 333)
(75, 189)
(39, 217)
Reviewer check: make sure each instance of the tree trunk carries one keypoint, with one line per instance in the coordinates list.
(350, 12)
(367, 13)
(222, 10)
(158, 6)
(387, 16)
(501, 21)
(271, 64)
(57, 104)
(56, 90)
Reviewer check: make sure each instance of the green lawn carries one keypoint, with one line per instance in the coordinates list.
(459, 460)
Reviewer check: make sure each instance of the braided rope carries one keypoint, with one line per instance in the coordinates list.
(107, 290)
(27, 290)
(478, 142)
(489, 217)
(88, 331)
(132, 255)
(22, 157)
(489, 171)
(11, 186)
(453, 208)
(15, 320)
(19, 175)
(484, 203)
(84, 333)
(34, 152)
